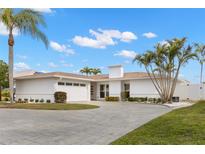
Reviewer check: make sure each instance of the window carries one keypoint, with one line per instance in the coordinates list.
(127, 87)
(61, 83)
(69, 84)
(82, 85)
(76, 84)
(107, 90)
(102, 91)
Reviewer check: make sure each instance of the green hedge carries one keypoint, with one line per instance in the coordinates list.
(60, 97)
(145, 99)
(137, 99)
(112, 98)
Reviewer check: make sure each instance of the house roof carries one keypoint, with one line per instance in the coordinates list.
(103, 77)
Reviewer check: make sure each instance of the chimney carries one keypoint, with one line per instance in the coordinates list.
(116, 71)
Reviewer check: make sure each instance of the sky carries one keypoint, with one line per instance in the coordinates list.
(102, 37)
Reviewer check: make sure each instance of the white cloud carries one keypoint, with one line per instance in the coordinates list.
(23, 57)
(21, 66)
(126, 54)
(149, 35)
(103, 38)
(43, 10)
(52, 65)
(128, 37)
(164, 43)
(62, 48)
(38, 64)
(4, 30)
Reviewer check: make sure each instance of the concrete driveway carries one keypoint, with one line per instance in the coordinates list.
(94, 126)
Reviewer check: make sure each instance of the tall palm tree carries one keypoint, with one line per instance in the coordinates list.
(200, 51)
(26, 21)
(96, 71)
(163, 65)
(86, 70)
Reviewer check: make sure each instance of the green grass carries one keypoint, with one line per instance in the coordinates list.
(183, 126)
(48, 106)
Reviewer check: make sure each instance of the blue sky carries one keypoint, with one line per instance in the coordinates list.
(103, 37)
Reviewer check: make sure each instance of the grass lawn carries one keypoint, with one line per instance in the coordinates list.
(183, 126)
(48, 106)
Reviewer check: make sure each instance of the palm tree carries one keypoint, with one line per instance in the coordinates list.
(96, 71)
(163, 65)
(200, 51)
(26, 21)
(86, 70)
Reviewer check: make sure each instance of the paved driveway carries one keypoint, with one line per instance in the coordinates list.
(94, 126)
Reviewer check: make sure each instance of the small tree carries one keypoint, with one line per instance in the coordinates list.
(86, 70)
(95, 71)
(163, 65)
(4, 77)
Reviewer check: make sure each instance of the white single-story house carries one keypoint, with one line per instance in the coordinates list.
(87, 88)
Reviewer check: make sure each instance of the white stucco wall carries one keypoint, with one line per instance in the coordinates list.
(142, 88)
(116, 72)
(190, 92)
(115, 88)
(35, 89)
(74, 93)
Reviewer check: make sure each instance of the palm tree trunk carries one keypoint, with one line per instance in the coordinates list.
(201, 82)
(11, 82)
(201, 75)
(0, 92)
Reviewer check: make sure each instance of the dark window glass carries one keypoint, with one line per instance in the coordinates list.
(61, 83)
(102, 94)
(82, 85)
(69, 84)
(76, 84)
(102, 91)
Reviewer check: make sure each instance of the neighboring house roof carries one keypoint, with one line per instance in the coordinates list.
(25, 73)
(103, 77)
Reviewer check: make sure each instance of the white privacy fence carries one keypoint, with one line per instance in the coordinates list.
(190, 92)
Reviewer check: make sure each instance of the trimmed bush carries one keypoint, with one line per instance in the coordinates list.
(21, 101)
(42, 100)
(6, 99)
(48, 101)
(36, 100)
(5, 93)
(112, 98)
(31, 100)
(125, 96)
(137, 99)
(60, 97)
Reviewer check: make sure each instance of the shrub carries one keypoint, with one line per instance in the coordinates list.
(60, 97)
(5, 93)
(48, 101)
(112, 98)
(31, 100)
(25, 100)
(6, 99)
(125, 96)
(21, 101)
(36, 100)
(42, 100)
(137, 99)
